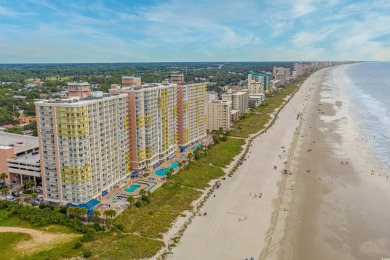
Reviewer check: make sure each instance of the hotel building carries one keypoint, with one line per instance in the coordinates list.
(239, 100)
(152, 117)
(192, 119)
(219, 115)
(84, 145)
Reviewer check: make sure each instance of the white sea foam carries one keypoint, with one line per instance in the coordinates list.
(367, 86)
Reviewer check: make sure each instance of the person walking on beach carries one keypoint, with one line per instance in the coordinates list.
(260, 195)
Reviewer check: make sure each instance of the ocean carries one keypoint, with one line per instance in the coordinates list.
(369, 91)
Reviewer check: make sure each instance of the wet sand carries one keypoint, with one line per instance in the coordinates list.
(337, 209)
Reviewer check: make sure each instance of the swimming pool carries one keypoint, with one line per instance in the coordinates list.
(196, 147)
(163, 172)
(175, 164)
(132, 188)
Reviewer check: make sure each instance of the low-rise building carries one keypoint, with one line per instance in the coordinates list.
(19, 158)
(255, 100)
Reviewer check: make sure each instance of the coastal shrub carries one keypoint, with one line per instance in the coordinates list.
(120, 226)
(89, 235)
(77, 245)
(138, 204)
(87, 254)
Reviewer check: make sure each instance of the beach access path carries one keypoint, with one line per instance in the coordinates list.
(238, 218)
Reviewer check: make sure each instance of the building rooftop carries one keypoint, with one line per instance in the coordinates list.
(21, 143)
(95, 96)
(78, 84)
(28, 158)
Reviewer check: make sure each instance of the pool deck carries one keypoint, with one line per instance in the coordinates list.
(111, 200)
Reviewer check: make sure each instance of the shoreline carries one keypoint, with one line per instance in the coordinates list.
(333, 209)
(233, 215)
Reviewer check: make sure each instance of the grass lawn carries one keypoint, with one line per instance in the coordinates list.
(123, 246)
(7, 242)
(12, 221)
(223, 153)
(60, 251)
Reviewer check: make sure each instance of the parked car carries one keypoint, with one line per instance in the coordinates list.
(15, 194)
(35, 202)
(38, 189)
(10, 198)
(40, 197)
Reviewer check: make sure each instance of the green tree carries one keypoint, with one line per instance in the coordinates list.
(70, 211)
(142, 192)
(83, 212)
(189, 157)
(5, 191)
(3, 176)
(28, 184)
(169, 173)
(96, 215)
(131, 200)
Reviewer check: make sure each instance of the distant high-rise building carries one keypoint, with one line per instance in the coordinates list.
(82, 90)
(281, 74)
(131, 82)
(239, 101)
(177, 78)
(83, 146)
(264, 79)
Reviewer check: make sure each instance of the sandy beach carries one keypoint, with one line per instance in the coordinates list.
(238, 220)
(329, 208)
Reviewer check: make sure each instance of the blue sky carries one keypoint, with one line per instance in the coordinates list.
(35, 31)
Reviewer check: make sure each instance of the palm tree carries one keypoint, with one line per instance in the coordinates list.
(96, 215)
(5, 191)
(57, 208)
(106, 213)
(189, 157)
(142, 192)
(70, 211)
(28, 184)
(83, 211)
(3, 176)
(112, 213)
(169, 173)
(130, 200)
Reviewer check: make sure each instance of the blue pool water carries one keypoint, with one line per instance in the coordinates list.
(196, 147)
(175, 164)
(163, 172)
(132, 188)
